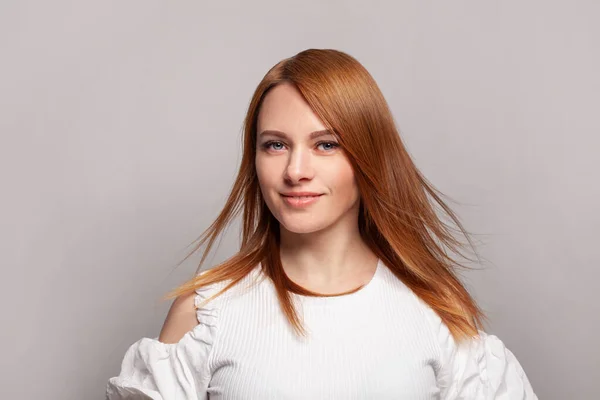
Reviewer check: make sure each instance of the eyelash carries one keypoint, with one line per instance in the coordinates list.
(268, 144)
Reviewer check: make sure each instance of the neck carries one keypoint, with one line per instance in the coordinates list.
(331, 260)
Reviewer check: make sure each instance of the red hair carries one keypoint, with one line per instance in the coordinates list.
(397, 218)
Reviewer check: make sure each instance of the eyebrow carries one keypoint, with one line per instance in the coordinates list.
(313, 135)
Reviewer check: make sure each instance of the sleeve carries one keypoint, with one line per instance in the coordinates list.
(481, 368)
(163, 371)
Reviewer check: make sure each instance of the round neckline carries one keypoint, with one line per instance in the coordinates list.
(321, 300)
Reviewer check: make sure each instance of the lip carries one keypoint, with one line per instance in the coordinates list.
(298, 194)
(301, 200)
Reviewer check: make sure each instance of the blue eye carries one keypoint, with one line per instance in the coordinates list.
(277, 145)
(268, 144)
(332, 144)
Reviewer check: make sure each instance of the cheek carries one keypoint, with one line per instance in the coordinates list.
(266, 174)
(259, 166)
(343, 179)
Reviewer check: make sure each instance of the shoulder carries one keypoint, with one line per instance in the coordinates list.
(180, 319)
(184, 315)
(200, 307)
(418, 314)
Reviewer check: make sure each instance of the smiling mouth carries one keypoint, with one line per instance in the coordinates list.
(300, 201)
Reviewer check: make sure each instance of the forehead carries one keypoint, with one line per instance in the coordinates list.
(285, 109)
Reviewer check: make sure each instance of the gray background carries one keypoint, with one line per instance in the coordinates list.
(120, 129)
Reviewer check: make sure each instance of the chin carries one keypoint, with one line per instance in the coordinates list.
(302, 227)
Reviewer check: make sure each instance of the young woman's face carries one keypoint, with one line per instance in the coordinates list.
(294, 155)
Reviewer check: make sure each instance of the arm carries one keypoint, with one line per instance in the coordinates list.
(175, 365)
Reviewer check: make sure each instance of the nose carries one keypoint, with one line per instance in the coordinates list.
(299, 166)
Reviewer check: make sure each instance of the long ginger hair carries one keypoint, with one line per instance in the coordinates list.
(397, 217)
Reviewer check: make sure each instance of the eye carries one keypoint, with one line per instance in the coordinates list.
(270, 143)
(328, 145)
(276, 145)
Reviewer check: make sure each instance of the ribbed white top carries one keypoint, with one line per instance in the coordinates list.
(381, 342)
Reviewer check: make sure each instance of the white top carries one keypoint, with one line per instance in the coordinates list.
(381, 342)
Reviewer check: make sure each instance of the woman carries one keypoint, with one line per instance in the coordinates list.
(343, 287)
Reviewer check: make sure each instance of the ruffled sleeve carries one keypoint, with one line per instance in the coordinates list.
(481, 368)
(164, 371)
